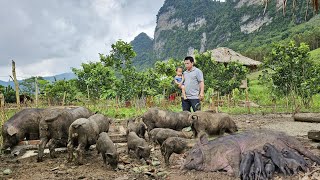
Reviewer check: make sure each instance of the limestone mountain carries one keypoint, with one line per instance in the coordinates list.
(143, 46)
(245, 26)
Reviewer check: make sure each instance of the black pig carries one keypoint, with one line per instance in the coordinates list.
(84, 132)
(138, 145)
(22, 125)
(175, 145)
(108, 150)
(54, 128)
(157, 118)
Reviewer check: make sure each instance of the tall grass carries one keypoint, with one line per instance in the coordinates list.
(5, 114)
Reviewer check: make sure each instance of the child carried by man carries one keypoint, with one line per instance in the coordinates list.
(179, 79)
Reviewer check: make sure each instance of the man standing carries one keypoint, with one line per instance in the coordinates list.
(194, 86)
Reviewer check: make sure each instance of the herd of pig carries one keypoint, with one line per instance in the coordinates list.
(255, 154)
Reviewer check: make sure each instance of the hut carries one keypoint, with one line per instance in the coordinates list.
(226, 55)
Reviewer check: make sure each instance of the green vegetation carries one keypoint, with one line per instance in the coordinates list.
(9, 94)
(142, 45)
(315, 56)
(223, 28)
(115, 88)
(220, 77)
(4, 116)
(293, 73)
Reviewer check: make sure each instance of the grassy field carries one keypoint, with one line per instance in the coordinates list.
(315, 55)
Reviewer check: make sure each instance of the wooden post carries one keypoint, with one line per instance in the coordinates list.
(212, 103)
(218, 101)
(147, 102)
(36, 90)
(49, 102)
(117, 103)
(16, 84)
(88, 92)
(274, 105)
(1, 100)
(228, 101)
(234, 100)
(64, 98)
(247, 100)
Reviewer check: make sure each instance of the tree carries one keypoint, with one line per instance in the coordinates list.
(293, 73)
(130, 83)
(61, 89)
(96, 78)
(220, 77)
(150, 82)
(120, 56)
(2, 89)
(9, 94)
(166, 70)
(28, 85)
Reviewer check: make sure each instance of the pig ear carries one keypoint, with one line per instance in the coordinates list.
(77, 125)
(52, 117)
(204, 139)
(12, 130)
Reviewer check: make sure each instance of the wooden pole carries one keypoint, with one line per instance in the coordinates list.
(228, 101)
(16, 84)
(212, 103)
(218, 101)
(36, 90)
(117, 103)
(234, 100)
(64, 98)
(88, 92)
(2, 100)
(247, 100)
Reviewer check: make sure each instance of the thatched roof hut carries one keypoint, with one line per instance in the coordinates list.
(226, 55)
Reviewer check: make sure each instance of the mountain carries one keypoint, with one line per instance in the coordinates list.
(184, 26)
(5, 83)
(142, 45)
(65, 76)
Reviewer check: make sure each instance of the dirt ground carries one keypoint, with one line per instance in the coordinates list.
(131, 168)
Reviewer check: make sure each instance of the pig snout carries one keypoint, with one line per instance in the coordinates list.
(74, 135)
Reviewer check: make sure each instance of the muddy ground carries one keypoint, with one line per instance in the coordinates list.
(130, 168)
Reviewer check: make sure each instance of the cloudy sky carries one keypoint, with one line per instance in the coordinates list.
(49, 37)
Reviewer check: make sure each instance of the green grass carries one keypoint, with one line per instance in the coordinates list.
(315, 56)
(254, 75)
(262, 95)
(4, 116)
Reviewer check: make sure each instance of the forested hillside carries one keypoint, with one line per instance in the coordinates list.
(187, 25)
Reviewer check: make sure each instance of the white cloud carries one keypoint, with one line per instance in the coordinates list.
(50, 37)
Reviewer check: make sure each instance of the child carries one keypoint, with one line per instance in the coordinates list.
(178, 79)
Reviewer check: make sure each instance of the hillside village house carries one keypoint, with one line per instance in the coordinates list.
(226, 55)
